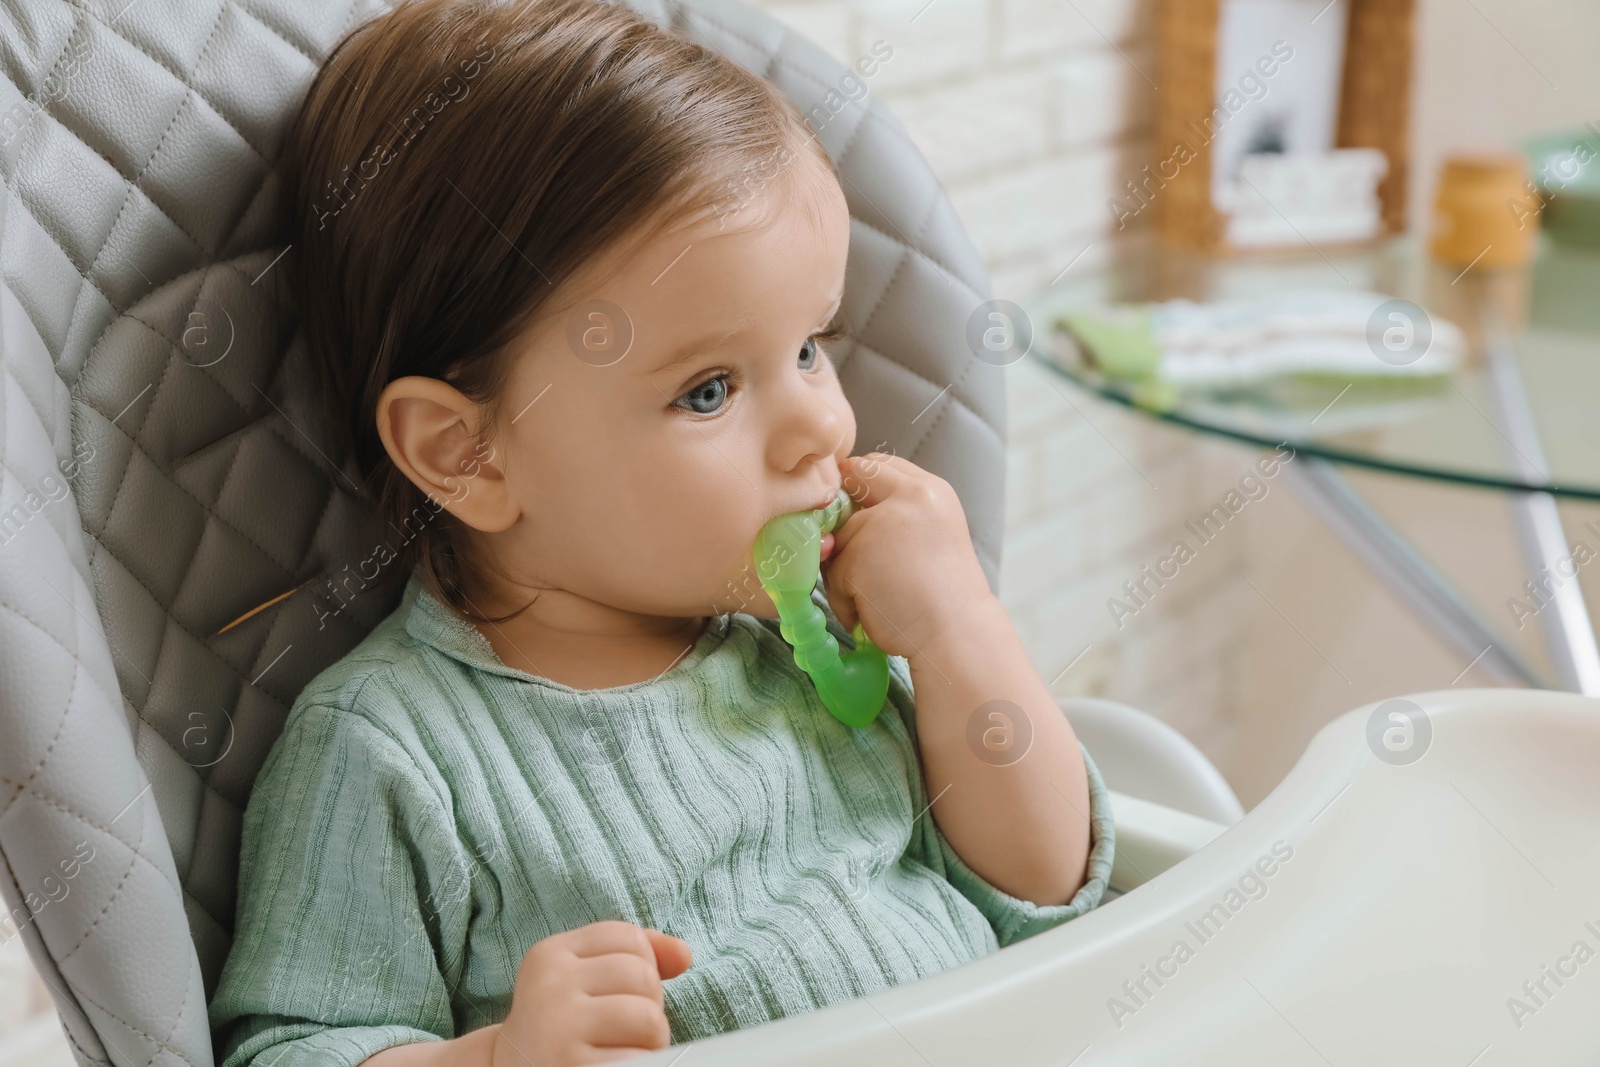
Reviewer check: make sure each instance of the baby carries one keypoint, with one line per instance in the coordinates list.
(572, 286)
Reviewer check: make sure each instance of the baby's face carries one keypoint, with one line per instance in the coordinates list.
(661, 416)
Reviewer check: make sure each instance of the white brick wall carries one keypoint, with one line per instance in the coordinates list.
(1026, 29)
(934, 40)
(1033, 113)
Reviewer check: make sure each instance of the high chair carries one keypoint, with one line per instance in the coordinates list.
(172, 526)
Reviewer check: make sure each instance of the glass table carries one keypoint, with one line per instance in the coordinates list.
(1521, 416)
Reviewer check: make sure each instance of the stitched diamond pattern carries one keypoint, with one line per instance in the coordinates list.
(137, 142)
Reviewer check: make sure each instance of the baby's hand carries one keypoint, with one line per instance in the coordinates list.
(591, 995)
(903, 564)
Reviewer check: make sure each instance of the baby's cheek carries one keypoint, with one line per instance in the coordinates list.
(721, 585)
(848, 441)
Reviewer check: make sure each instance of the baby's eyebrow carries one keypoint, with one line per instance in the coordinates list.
(838, 302)
(717, 339)
(700, 345)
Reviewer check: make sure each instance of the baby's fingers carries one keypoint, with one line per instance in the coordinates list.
(876, 475)
(604, 1054)
(835, 583)
(673, 954)
(619, 972)
(625, 1021)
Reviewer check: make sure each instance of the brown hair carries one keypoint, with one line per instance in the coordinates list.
(454, 162)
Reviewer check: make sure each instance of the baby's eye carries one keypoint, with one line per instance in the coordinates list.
(838, 331)
(808, 353)
(707, 397)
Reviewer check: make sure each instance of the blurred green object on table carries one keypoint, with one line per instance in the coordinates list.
(1160, 350)
(1122, 343)
(1566, 174)
(1439, 427)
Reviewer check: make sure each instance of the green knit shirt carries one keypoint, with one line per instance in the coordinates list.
(429, 813)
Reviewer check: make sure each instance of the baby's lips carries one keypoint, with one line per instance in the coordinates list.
(827, 545)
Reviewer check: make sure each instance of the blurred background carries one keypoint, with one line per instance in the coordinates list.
(1036, 114)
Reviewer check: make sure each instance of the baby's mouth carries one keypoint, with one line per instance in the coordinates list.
(827, 545)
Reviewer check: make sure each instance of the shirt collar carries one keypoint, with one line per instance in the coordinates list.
(436, 625)
(433, 623)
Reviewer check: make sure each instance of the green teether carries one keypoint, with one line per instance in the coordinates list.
(788, 558)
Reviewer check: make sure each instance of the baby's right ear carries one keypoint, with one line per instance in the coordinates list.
(433, 434)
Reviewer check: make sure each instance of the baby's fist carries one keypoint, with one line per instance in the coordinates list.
(903, 564)
(591, 995)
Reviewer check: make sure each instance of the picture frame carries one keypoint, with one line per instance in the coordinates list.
(1203, 134)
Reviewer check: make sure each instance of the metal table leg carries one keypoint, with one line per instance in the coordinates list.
(1568, 631)
(1427, 592)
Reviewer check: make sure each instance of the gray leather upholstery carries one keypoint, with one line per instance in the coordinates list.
(164, 471)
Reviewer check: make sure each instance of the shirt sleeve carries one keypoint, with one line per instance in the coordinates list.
(352, 888)
(1012, 918)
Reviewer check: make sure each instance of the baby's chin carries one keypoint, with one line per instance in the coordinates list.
(743, 591)
(760, 605)
(747, 597)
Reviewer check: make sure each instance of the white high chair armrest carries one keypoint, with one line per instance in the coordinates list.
(1153, 837)
(1142, 756)
(1364, 911)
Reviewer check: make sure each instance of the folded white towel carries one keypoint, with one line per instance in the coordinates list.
(1232, 342)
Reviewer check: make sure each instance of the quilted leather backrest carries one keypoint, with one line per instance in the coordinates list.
(154, 636)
